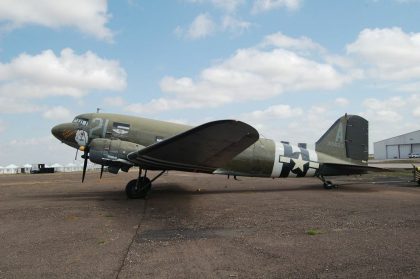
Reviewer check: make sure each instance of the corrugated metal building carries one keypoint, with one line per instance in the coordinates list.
(398, 147)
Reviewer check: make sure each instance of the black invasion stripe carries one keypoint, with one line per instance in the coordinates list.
(285, 170)
(305, 154)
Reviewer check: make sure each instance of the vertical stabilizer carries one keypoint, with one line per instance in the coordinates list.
(347, 139)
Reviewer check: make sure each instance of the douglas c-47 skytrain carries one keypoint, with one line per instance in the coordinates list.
(226, 147)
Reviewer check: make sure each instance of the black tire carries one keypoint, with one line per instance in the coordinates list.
(137, 192)
(328, 185)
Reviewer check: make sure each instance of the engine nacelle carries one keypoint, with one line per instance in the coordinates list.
(112, 152)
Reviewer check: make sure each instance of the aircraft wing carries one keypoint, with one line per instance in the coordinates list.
(203, 148)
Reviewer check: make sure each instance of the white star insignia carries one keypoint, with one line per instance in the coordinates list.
(299, 163)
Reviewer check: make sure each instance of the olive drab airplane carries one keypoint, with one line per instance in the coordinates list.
(226, 147)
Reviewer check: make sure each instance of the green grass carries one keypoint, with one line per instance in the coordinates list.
(313, 232)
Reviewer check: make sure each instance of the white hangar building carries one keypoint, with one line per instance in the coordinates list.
(398, 147)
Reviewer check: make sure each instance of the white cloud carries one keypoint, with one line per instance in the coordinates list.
(391, 103)
(163, 104)
(21, 151)
(276, 112)
(391, 116)
(295, 124)
(46, 74)
(226, 5)
(235, 25)
(342, 102)
(250, 74)
(69, 74)
(307, 124)
(267, 5)
(282, 41)
(388, 54)
(416, 112)
(410, 86)
(114, 102)
(414, 103)
(57, 113)
(201, 27)
(2, 126)
(90, 17)
(10, 105)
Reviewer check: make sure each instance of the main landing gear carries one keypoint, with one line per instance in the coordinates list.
(140, 187)
(327, 184)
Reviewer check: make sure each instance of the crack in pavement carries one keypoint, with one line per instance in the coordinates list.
(132, 241)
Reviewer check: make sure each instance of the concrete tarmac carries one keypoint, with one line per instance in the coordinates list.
(205, 226)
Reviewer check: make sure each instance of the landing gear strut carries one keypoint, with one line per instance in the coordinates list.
(327, 184)
(140, 187)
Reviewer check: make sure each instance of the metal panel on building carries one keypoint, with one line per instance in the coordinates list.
(392, 151)
(398, 146)
(405, 149)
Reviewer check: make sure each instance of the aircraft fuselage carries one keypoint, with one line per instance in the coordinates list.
(264, 158)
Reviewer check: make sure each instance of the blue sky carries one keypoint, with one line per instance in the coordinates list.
(288, 67)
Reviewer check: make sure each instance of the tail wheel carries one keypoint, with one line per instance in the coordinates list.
(328, 185)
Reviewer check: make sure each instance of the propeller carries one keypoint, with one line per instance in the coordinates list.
(102, 171)
(85, 156)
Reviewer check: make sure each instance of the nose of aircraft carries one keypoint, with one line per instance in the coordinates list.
(60, 131)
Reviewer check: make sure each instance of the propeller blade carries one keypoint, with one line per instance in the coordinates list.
(102, 171)
(75, 157)
(86, 157)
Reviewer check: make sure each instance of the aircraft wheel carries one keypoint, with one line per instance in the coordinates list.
(328, 185)
(137, 192)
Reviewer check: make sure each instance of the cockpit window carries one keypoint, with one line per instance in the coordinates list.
(81, 121)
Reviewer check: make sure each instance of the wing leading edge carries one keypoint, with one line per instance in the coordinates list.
(203, 148)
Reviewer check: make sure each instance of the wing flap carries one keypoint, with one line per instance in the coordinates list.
(203, 148)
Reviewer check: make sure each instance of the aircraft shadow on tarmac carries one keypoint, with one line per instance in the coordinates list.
(172, 190)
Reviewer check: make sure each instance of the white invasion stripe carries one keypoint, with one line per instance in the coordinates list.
(285, 160)
(313, 165)
(313, 156)
(277, 166)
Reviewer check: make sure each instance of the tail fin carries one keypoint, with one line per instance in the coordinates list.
(347, 140)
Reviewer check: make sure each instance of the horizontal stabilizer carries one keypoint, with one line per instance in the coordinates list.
(328, 169)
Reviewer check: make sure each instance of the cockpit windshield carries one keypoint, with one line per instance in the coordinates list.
(81, 121)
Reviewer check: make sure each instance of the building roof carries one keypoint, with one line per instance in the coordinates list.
(395, 137)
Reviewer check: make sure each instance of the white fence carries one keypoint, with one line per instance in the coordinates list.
(71, 167)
